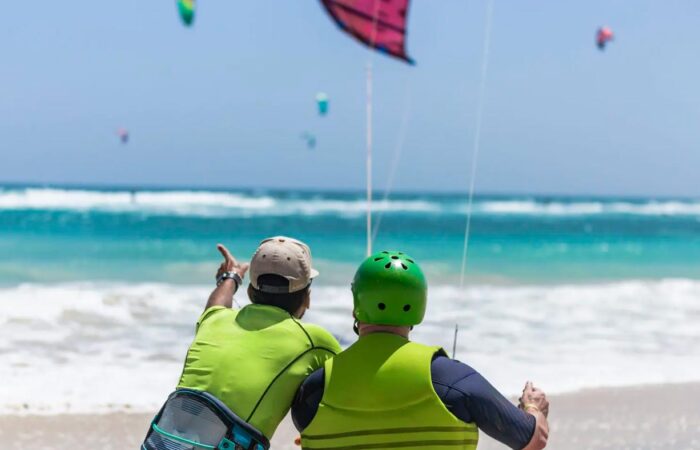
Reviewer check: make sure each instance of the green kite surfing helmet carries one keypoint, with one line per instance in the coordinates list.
(389, 288)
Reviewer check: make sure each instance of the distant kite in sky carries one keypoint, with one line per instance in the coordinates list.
(186, 8)
(322, 103)
(310, 140)
(123, 135)
(603, 36)
(380, 24)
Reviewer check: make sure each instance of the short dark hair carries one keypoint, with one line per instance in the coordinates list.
(288, 301)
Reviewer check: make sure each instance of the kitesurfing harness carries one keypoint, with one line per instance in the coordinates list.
(196, 420)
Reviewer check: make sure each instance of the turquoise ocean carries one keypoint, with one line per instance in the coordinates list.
(100, 287)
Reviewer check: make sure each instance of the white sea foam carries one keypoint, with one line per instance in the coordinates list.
(194, 203)
(177, 202)
(96, 347)
(588, 208)
(236, 204)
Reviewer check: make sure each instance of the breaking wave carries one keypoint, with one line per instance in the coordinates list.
(237, 204)
(61, 344)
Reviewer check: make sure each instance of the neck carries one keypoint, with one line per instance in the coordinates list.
(366, 328)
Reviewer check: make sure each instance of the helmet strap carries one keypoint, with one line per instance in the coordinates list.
(356, 328)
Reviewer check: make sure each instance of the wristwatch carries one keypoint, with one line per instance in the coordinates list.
(230, 275)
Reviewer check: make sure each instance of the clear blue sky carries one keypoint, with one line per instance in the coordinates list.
(224, 103)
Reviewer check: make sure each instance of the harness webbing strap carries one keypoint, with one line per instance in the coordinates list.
(181, 439)
(400, 444)
(390, 431)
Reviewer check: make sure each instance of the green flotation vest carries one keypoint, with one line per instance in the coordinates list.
(379, 395)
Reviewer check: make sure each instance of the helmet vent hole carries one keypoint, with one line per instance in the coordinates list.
(386, 253)
(405, 267)
(387, 265)
(394, 257)
(381, 306)
(406, 308)
(410, 260)
(379, 259)
(400, 253)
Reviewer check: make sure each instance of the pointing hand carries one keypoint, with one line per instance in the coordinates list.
(230, 264)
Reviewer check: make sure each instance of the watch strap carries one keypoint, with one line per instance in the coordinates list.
(230, 275)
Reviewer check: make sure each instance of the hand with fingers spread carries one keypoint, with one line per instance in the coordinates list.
(534, 399)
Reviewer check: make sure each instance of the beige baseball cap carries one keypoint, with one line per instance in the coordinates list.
(286, 257)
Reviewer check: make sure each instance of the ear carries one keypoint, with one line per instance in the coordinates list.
(307, 300)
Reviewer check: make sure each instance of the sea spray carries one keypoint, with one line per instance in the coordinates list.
(85, 347)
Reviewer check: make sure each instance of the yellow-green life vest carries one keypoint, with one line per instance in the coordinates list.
(379, 395)
(254, 360)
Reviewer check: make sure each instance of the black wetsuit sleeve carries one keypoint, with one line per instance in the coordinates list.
(471, 398)
(307, 399)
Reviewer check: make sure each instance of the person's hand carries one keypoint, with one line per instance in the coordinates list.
(534, 399)
(230, 264)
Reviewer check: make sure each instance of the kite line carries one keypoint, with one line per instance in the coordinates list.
(381, 26)
(477, 135)
(368, 137)
(396, 157)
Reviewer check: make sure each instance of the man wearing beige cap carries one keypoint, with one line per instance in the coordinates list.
(247, 364)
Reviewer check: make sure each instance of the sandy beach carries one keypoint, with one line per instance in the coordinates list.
(644, 417)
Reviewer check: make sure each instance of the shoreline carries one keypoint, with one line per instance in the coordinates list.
(658, 416)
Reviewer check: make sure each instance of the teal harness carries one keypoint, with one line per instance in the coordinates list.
(195, 420)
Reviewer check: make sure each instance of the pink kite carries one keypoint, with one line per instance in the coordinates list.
(379, 24)
(123, 135)
(603, 36)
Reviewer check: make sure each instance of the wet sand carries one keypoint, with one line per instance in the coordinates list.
(644, 417)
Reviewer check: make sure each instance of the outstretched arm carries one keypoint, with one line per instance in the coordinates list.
(471, 398)
(222, 295)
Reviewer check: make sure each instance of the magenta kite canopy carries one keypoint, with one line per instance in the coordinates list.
(379, 24)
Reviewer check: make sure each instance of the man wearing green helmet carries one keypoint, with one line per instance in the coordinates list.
(387, 392)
